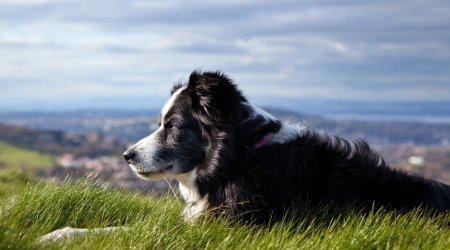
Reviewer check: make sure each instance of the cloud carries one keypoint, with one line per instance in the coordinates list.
(321, 49)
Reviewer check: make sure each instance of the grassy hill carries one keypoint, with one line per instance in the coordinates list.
(30, 209)
(18, 167)
(58, 142)
(15, 157)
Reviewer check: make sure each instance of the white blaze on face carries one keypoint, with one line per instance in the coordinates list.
(147, 147)
(169, 103)
(149, 141)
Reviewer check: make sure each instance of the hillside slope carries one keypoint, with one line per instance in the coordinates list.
(15, 157)
(59, 142)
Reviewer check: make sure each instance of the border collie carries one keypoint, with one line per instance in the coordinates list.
(233, 159)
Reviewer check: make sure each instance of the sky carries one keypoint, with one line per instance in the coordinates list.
(67, 54)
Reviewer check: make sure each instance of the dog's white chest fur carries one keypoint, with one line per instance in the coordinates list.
(195, 204)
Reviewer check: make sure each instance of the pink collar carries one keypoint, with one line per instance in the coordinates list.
(267, 139)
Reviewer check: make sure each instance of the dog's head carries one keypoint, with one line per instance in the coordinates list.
(209, 106)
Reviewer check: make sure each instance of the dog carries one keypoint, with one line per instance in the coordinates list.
(233, 159)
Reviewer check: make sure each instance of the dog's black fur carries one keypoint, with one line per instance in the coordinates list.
(257, 183)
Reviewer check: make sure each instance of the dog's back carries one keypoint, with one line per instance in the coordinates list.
(317, 169)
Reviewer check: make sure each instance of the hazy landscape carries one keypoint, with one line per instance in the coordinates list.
(91, 142)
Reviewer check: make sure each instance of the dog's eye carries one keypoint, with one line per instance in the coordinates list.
(168, 124)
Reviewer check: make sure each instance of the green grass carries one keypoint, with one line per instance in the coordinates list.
(18, 167)
(29, 210)
(38, 208)
(14, 157)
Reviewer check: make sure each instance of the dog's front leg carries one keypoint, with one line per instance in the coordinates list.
(69, 233)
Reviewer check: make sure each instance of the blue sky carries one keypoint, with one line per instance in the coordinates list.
(64, 54)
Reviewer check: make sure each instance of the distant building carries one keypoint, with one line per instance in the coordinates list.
(68, 160)
(416, 160)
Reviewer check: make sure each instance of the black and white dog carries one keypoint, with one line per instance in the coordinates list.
(234, 159)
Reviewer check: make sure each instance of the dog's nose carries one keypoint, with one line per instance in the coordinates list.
(129, 155)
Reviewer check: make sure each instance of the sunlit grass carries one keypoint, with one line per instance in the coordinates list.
(40, 208)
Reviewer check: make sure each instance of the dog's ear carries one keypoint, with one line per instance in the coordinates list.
(216, 101)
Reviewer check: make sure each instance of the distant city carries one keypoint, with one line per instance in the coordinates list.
(91, 142)
(130, 126)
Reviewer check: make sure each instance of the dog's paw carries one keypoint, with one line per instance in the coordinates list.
(66, 233)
